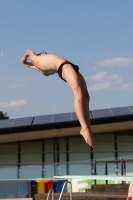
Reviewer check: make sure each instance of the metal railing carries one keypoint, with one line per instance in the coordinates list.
(63, 190)
(122, 163)
(51, 191)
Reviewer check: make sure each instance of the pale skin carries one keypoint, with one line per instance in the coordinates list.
(75, 81)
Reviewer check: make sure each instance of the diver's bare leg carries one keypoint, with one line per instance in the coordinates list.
(86, 100)
(75, 85)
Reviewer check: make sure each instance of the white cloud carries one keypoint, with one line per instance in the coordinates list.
(115, 61)
(15, 86)
(125, 87)
(114, 79)
(97, 77)
(14, 106)
(110, 82)
(97, 87)
(89, 57)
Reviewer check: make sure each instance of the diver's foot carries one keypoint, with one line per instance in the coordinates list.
(88, 137)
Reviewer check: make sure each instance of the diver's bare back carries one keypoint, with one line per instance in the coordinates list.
(48, 61)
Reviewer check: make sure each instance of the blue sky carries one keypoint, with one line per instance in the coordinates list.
(97, 35)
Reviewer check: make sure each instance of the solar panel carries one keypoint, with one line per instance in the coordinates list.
(45, 119)
(22, 122)
(74, 116)
(64, 117)
(6, 123)
(101, 113)
(121, 111)
(131, 108)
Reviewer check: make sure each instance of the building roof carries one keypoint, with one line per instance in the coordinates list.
(64, 120)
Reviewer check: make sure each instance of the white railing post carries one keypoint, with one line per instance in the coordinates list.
(49, 194)
(63, 190)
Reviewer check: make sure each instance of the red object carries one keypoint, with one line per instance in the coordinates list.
(49, 184)
(129, 198)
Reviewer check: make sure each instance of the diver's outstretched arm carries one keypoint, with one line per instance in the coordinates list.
(30, 65)
(28, 53)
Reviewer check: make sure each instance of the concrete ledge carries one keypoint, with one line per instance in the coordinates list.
(82, 196)
(18, 199)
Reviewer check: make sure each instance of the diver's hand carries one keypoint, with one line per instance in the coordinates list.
(23, 60)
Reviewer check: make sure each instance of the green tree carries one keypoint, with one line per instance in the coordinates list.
(3, 115)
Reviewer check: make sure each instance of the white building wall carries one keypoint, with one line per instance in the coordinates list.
(64, 156)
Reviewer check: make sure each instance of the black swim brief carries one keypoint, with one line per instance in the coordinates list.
(75, 67)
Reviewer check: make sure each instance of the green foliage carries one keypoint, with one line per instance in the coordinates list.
(3, 115)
